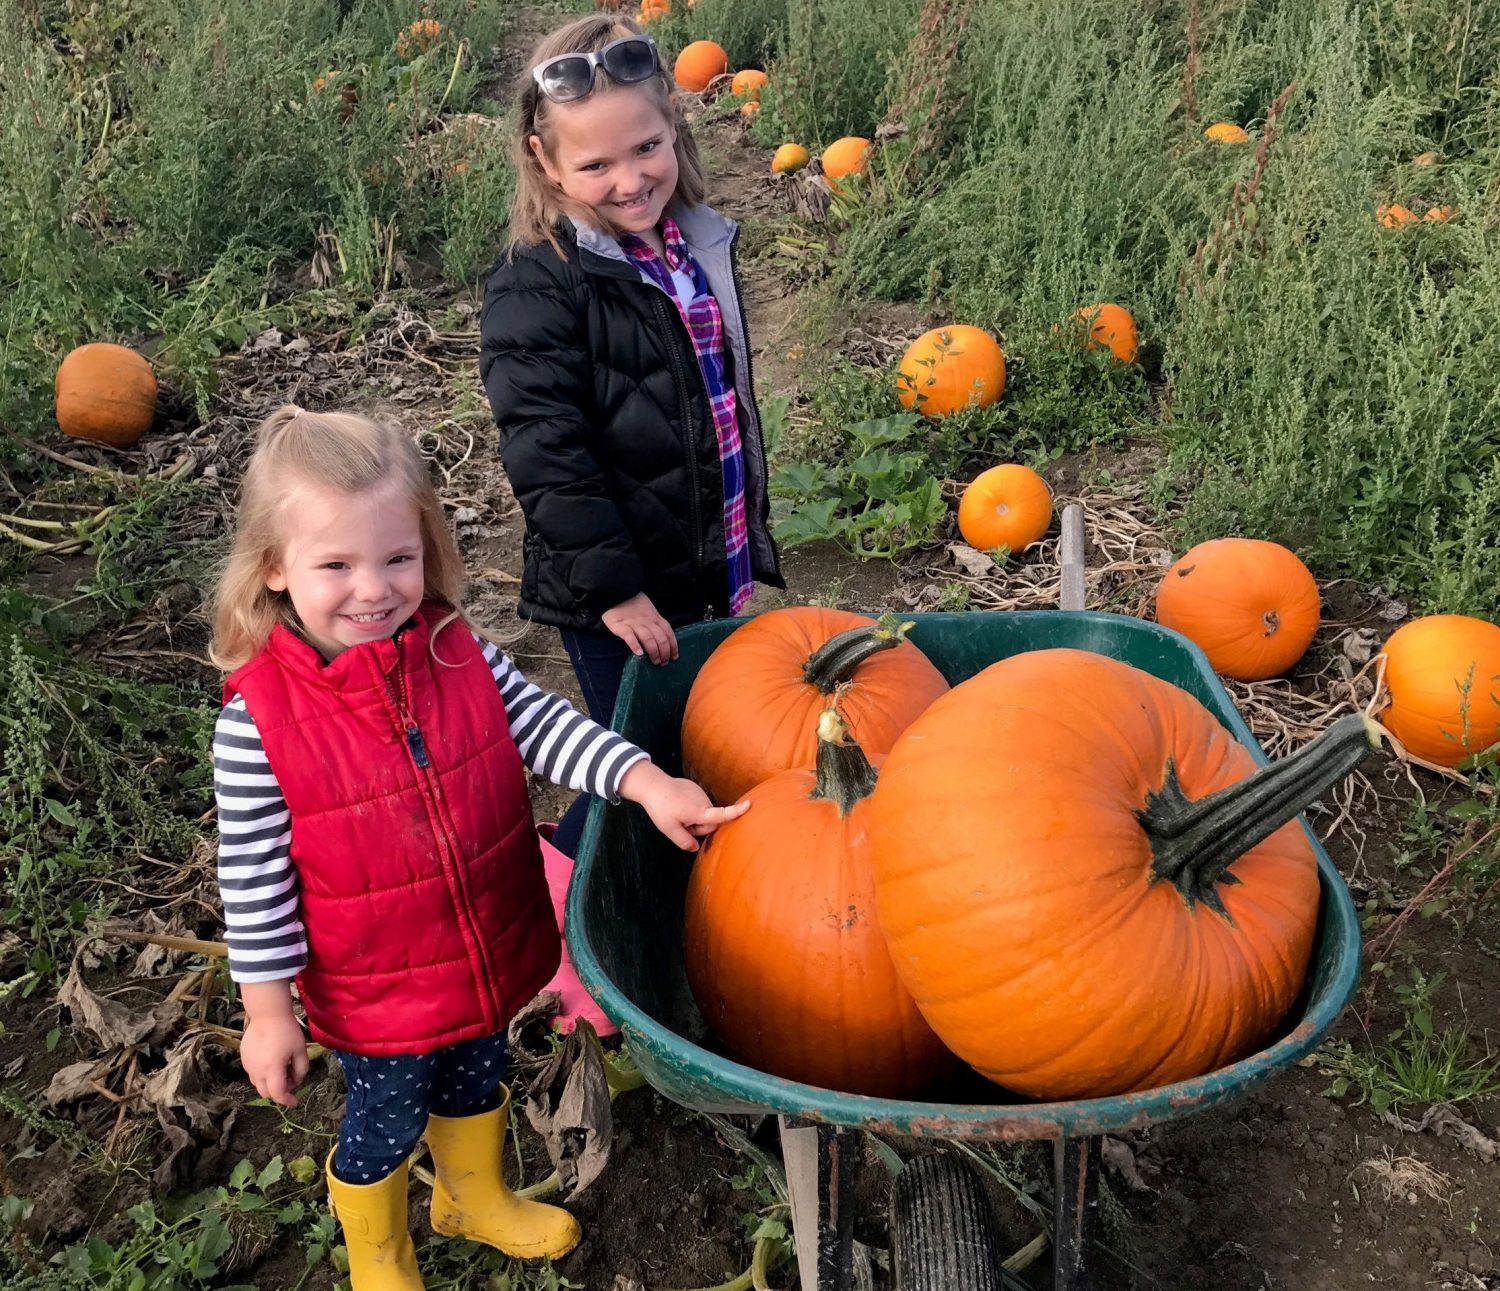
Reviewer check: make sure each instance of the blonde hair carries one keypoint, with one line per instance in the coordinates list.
(337, 450)
(539, 203)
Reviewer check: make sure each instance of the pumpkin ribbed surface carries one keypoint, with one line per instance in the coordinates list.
(105, 392)
(753, 712)
(784, 955)
(1251, 606)
(949, 368)
(1020, 892)
(1443, 673)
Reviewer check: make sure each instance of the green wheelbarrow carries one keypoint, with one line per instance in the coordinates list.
(624, 928)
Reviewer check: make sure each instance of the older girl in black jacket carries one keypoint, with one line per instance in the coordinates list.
(615, 356)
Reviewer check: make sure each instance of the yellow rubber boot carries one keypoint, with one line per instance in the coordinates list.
(373, 1215)
(471, 1199)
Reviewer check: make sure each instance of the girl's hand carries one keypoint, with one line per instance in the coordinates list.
(639, 626)
(679, 808)
(273, 1051)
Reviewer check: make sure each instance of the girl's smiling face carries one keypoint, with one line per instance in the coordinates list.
(350, 563)
(614, 152)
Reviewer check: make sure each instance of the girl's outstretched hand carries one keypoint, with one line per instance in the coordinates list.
(639, 626)
(679, 808)
(273, 1050)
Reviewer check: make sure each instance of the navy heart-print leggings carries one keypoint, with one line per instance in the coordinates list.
(387, 1101)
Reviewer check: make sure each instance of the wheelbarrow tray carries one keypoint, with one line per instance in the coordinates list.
(624, 916)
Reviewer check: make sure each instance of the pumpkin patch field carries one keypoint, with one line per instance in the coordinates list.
(1223, 275)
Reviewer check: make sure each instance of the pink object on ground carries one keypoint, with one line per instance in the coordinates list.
(576, 1002)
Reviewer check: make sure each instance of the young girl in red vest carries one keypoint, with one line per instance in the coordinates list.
(613, 347)
(375, 835)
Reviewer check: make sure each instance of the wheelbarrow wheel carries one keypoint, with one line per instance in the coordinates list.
(943, 1231)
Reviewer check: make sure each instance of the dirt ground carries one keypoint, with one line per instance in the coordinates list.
(1288, 1188)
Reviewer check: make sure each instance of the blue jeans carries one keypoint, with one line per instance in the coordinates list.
(387, 1101)
(598, 661)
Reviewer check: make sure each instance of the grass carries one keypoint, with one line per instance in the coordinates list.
(164, 162)
(1417, 1064)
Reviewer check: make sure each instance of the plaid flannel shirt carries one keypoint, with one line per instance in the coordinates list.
(705, 326)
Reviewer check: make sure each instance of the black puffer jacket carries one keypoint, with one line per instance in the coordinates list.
(605, 429)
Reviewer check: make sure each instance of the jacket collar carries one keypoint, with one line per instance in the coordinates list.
(704, 229)
(360, 666)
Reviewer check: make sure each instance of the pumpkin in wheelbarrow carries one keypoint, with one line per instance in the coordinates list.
(753, 709)
(1087, 884)
(782, 950)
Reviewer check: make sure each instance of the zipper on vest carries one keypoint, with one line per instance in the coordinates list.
(414, 741)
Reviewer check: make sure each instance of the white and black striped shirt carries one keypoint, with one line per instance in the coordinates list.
(256, 880)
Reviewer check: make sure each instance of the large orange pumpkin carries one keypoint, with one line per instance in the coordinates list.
(1112, 327)
(698, 64)
(753, 709)
(1074, 894)
(1006, 506)
(782, 949)
(105, 392)
(846, 156)
(1251, 606)
(950, 368)
(1443, 674)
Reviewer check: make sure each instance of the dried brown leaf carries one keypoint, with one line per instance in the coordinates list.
(112, 1024)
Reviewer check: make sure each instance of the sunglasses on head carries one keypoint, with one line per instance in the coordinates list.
(568, 77)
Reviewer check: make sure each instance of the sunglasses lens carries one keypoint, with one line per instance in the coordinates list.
(630, 60)
(566, 78)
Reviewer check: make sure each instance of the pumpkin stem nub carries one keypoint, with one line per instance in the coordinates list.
(834, 662)
(844, 775)
(1194, 843)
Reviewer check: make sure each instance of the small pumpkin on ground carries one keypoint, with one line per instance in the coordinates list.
(843, 157)
(949, 368)
(1443, 676)
(750, 82)
(698, 64)
(753, 708)
(1251, 606)
(789, 159)
(106, 393)
(1394, 215)
(782, 949)
(1440, 212)
(1006, 506)
(1113, 327)
(749, 107)
(1087, 884)
(1226, 132)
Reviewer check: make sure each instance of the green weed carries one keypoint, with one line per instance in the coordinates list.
(1417, 1064)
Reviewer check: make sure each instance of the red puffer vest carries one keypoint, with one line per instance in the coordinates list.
(426, 904)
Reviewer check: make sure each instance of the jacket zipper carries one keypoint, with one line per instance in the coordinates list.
(760, 434)
(417, 747)
(658, 301)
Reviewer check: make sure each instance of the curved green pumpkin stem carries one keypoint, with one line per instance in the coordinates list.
(1193, 844)
(834, 662)
(844, 775)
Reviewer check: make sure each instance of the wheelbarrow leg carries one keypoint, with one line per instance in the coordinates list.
(1075, 1211)
(819, 1175)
